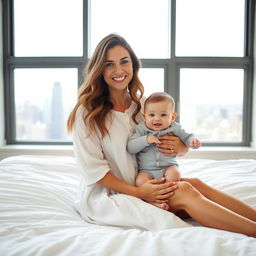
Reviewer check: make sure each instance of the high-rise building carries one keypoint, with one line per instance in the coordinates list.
(56, 126)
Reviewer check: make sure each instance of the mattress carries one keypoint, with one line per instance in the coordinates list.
(37, 215)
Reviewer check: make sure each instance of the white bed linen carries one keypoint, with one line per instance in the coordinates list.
(37, 216)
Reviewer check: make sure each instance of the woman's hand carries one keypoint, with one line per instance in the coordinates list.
(156, 191)
(172, 145)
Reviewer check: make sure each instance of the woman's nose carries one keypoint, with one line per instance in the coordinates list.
(118, 69)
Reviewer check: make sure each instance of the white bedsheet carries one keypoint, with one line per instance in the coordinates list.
(37, 215)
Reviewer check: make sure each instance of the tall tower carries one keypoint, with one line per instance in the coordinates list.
(56, 126)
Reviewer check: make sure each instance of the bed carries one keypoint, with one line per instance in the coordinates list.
(37, 216)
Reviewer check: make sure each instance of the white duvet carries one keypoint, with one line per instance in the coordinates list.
(37, 216)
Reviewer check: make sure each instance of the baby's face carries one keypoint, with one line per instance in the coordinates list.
(159, 115)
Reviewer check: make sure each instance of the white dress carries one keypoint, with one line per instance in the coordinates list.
(97, 156)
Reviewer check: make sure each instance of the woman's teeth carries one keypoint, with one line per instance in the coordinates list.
(119, 78)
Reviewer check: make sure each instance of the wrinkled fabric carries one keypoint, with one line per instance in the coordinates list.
(37, 216)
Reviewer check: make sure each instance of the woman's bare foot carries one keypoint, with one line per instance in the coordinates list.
(164, 206)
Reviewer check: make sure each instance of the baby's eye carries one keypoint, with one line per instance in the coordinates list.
(163, 115)
(151, 115)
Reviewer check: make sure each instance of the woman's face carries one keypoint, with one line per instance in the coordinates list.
(118, 71)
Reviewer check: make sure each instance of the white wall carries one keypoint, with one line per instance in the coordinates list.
(2, 142)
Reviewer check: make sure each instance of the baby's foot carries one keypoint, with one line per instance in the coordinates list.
(163, 206)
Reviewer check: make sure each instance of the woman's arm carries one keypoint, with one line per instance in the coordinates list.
(152, 190)
(172, 145)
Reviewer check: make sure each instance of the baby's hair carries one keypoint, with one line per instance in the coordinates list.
(157, 97)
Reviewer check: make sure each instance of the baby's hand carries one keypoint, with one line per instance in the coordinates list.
(195, 143)
(152, 139)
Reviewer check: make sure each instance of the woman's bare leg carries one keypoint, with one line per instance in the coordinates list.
(209, 213)
(141, 178)
(223, 199)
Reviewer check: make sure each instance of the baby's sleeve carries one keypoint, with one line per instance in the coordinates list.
(88, 152)
(138, 141)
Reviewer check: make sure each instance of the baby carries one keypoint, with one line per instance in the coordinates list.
(159, 120)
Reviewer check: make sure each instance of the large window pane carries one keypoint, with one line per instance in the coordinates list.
(210, 28)
(152, 80)
(144, 24)
(211, 103)
(43, 100)
(48, 28)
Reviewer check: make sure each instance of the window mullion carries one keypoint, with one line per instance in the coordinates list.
(46, 61)
(172, 76)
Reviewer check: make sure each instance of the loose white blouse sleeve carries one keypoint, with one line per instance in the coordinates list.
(88, 152)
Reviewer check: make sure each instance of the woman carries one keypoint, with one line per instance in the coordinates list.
(108, 107)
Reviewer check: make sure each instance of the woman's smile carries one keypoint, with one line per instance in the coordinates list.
(119, 79)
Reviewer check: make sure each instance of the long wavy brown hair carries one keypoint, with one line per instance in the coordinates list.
(93, 93)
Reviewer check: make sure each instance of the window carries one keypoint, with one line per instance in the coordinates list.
(212, 100)
(199, 51)
(43, 99)
(48, 28)
(210, 28)
(150, 28)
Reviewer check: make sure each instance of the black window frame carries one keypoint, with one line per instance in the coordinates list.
(171, 67)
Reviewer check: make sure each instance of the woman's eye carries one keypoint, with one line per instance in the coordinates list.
(124, 61)
(108, 64)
